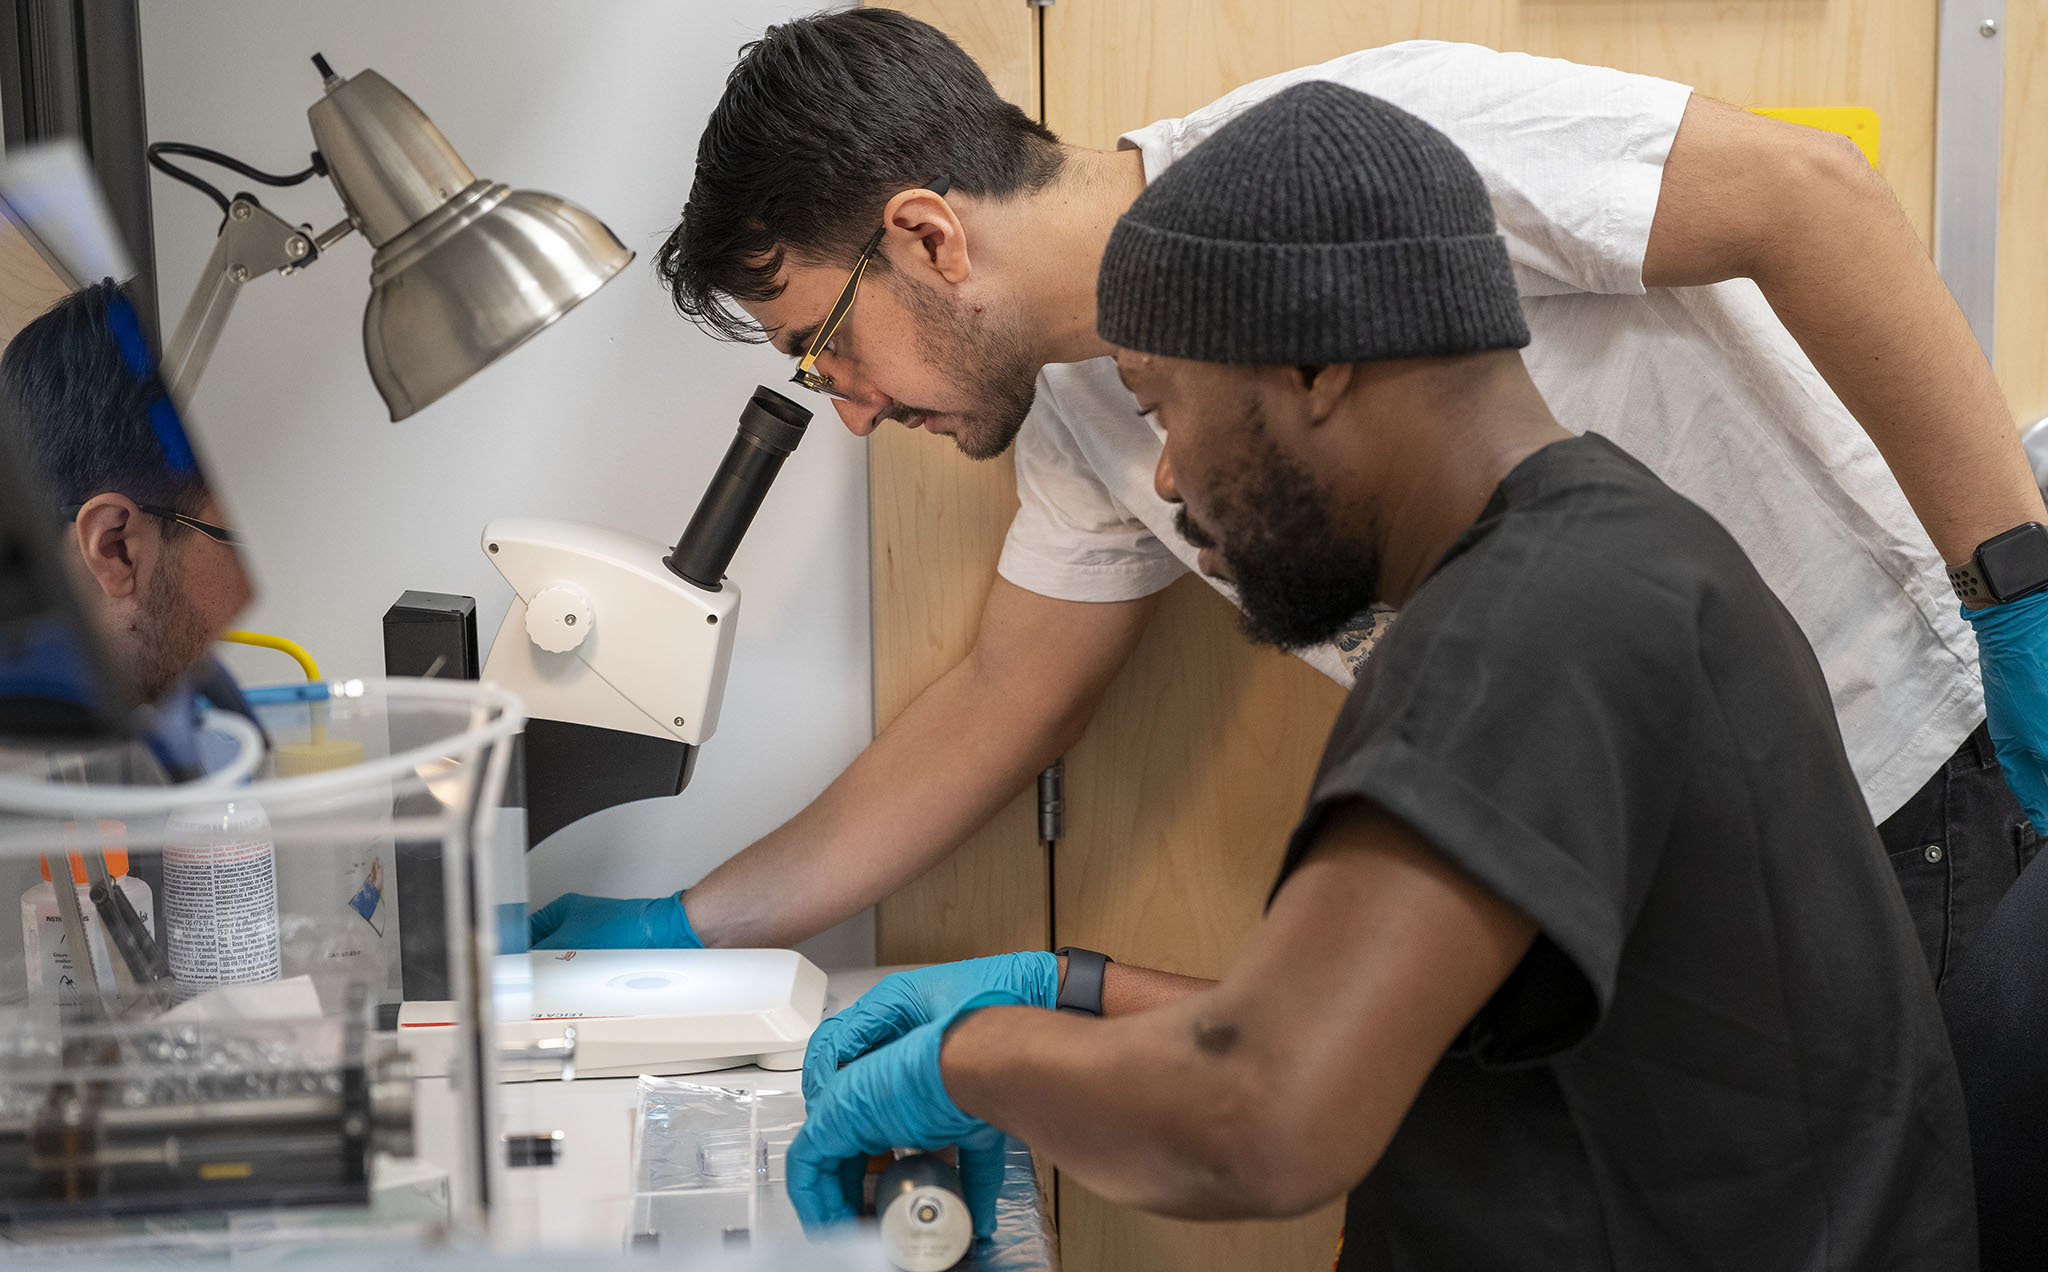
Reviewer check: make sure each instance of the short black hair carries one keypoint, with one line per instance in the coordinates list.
(822, 122)
(78, 384)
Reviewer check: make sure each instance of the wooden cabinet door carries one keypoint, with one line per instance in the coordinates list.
(2022, 247)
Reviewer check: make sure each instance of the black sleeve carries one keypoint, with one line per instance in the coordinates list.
(1528, 717)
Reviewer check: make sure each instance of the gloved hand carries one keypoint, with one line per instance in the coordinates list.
(574, 921)
(2012, 650)
(893, 1097)
(901, 1002)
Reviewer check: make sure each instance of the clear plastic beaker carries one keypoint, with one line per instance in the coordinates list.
(198, 1112)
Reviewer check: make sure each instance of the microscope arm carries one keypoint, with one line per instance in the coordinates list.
(620, 651)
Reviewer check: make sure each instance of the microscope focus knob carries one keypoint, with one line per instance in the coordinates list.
(558, 619)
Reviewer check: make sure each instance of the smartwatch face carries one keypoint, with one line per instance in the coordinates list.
(2015, 562)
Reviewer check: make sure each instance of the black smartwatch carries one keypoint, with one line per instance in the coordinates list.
(2004, 567)
(1081, 987)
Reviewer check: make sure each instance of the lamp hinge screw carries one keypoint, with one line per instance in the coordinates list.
(240, 273)
(296, 247)
(1988, 28)
(240, 211)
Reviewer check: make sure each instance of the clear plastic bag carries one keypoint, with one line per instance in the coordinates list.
(1025, 1240)
(708, 1169)
(708, 1173)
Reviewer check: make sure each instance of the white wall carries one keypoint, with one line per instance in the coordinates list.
(617, 415)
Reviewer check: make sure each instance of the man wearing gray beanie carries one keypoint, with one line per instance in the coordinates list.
(1585, 953)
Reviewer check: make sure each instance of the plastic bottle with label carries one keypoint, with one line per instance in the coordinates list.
(220, 897)
(51, 975)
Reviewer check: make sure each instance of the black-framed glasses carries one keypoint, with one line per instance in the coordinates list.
(219, 534)
(806, 366)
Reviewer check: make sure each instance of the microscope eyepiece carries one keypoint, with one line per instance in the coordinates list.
(770, 428)
(774, 420)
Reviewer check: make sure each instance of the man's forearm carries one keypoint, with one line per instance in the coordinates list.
(1131, 1107)
(1866, 304)
(902, 805)
(1278, 1088)
(944, 766)
(1128, 990)
(1803, 215)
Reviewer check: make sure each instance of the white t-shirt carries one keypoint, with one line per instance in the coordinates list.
(1702, 384)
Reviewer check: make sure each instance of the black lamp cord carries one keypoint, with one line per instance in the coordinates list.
(157, 151)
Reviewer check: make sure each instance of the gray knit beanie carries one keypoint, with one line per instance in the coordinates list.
(1321, 226)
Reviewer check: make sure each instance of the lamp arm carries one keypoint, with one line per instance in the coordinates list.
(253, 241)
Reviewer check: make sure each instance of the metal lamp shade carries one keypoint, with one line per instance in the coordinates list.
(474, 280)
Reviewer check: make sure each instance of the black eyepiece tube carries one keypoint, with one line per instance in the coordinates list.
(770, 428)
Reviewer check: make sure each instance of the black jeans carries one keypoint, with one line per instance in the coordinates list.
(1996, 1005)
(1956, 846)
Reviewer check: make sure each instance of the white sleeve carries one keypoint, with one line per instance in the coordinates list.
(1071, 539)
(1572, 155)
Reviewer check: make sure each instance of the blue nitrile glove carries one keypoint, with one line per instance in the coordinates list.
(2012, 650)
(573, 921)
(900, 1003)
(893, 1097)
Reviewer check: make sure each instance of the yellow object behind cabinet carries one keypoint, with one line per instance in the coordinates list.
(1857, 123)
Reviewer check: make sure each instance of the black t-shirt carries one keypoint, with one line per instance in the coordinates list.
(1723, 1050)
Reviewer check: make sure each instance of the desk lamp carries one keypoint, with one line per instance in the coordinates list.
(465, 270)
(618, 647)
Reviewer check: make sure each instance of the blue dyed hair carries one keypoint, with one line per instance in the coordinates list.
(96, 419)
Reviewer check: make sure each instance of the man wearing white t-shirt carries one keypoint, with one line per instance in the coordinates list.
(1677, 307)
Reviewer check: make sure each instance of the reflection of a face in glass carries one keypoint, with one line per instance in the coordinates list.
(113, 457)
(111, 592)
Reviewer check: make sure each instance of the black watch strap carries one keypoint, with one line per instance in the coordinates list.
(1081, 987)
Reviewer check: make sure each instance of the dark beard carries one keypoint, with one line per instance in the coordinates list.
(1300, 580)
(987, 360)
(171, 636)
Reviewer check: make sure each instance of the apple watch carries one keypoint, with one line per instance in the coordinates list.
(2004, 567)
(1081, 987)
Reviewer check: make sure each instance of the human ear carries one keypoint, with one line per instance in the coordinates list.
(938, 239)
(1325, 386)
(110, 538)
(1306, 394)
